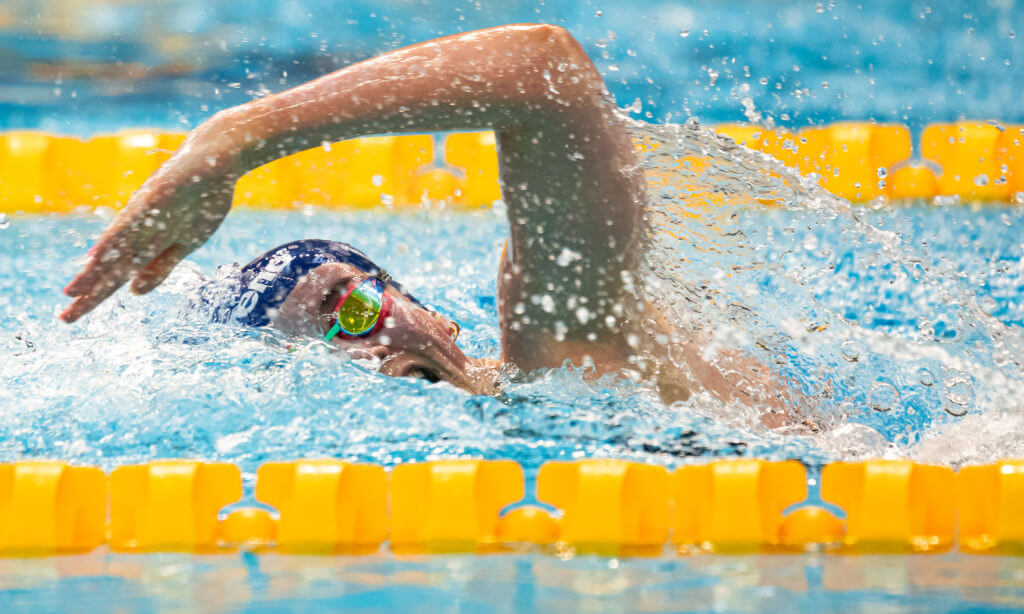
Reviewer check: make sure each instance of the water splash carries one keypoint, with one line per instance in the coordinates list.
(894, 309)
(863, 322)
(153, 377)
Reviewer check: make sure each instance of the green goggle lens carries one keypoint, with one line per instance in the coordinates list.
(359, 312)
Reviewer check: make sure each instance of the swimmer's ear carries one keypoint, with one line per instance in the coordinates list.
(154, 273)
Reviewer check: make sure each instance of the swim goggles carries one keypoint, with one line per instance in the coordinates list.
(361, 310)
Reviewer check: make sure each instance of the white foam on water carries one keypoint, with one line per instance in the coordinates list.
(779, 289)
(848, 311)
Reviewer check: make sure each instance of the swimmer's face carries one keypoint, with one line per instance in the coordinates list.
(413, 342)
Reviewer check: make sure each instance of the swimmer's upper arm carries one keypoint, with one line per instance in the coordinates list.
(575, 193)
(568, 168)
(505, 78)
(568, 173)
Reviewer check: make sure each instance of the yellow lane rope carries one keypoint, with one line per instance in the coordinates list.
(600, 505)
(42, 173)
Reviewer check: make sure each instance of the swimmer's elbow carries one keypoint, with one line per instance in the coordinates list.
(567, 45)
(553, 35)
(560, 46)
(568, 78)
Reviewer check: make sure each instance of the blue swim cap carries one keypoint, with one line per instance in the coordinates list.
(266, 281)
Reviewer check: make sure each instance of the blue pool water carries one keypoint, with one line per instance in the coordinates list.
(901, 327)
(512, 583)
(88, 67)
(152, 377)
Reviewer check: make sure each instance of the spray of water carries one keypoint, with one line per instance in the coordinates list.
(883, 342)
(884, 345)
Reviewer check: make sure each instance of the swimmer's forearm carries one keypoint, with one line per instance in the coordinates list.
(502, 78)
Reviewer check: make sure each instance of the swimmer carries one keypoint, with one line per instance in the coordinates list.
(569, 285)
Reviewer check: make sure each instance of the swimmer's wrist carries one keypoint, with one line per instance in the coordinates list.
(240, 138)
(210, 152)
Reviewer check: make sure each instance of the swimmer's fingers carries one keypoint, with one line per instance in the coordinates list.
(111, 252)
(154, 273)
(88, 274)
(109, 267)
(104, 279)
(144, 237)
(85, 303)
(127, 245)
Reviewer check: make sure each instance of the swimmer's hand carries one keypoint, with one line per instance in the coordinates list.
(532, 84)
(171, 215)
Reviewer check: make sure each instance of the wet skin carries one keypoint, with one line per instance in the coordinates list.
(569, 286)
(412, 341)
(568, 171)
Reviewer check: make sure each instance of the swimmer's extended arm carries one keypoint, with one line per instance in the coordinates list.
(567, 168)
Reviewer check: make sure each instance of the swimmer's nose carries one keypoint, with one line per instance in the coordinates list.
(409, 364)
(405, 364)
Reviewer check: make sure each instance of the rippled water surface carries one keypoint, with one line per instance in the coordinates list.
(87, 67)
(147, 377)
(103, 582)
(899, 330)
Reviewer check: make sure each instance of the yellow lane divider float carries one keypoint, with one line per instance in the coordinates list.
(860, 161)
(599, 505)
(322, 503)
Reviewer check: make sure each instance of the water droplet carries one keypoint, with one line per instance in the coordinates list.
(955, 410)
(925, 376)
(959, 393)
(819, 7)
(567, 257)
(4, 221)
(883, 396)
(882, 172)
(560, 330)
(684, 33)
(850, 350)
(981, 180)
(598, 13)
